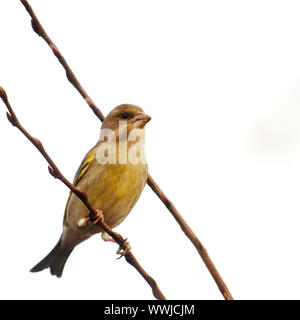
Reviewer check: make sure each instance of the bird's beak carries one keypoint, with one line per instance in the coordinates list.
(141, 120)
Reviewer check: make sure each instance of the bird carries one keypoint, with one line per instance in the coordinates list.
(112, 188)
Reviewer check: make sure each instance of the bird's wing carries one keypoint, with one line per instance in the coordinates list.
(84, 166)
(82, 170)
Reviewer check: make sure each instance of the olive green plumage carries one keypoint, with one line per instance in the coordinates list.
(113, 188)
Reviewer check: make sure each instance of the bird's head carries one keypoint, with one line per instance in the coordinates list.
(134, 117)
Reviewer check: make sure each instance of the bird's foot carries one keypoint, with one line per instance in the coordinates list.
(84, 222)
(122, 252)
(98, 217)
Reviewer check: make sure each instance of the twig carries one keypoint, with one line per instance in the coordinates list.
(55, 172)
(191, 235)
(37, 27)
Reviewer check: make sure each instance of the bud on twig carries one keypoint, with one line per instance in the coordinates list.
(3, 94)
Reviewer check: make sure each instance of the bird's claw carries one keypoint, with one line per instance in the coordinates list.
(98, 217)
(83, 222)
(122, 252)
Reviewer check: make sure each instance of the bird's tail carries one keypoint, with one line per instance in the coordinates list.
(55, 260)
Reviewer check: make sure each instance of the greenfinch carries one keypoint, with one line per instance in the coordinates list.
(112, 187)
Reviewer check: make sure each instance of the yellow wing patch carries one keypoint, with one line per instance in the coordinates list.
(84, 167)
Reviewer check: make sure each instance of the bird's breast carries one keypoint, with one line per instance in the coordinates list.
(113, 188)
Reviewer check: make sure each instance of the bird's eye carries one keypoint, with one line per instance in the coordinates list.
(126, 115)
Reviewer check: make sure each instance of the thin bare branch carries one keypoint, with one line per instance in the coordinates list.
(191, 235)
(37, 27)
(94, 213)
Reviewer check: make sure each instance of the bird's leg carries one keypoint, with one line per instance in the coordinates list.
(84, 222)
(122, 252)
(99, 216)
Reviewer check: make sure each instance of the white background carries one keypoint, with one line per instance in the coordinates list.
(221, 82)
